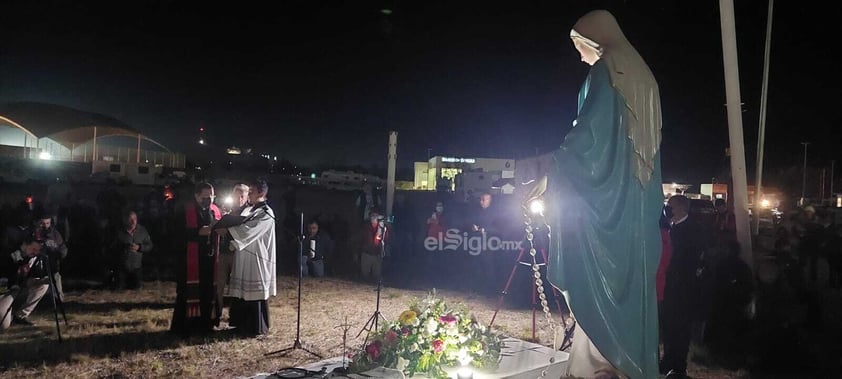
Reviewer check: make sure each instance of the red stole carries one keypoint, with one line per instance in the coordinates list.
(193, 290)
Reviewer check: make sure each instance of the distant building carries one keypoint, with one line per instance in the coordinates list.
(439, 173)
(348, 180)
(48, 132)
(715, 191)
(771, 197)
(404, 185)
(672, 189)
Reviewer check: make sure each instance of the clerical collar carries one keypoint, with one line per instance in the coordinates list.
(681, 220)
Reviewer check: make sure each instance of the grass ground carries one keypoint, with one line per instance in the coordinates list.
(124, 334)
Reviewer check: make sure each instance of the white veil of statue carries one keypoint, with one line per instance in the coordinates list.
(631, 77)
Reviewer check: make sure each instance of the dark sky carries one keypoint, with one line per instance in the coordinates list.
(323, 82)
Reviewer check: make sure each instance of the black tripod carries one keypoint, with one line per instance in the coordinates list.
(297, 345)
(505, 291)
(58, 304)
(373, 321)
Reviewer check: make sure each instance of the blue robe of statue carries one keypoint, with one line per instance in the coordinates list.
(606, 240)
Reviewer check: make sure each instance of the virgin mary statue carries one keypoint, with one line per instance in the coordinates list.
(606, 190)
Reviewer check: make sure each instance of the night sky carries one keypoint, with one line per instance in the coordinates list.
(322, 82)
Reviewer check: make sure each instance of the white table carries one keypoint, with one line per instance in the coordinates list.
(520, 360)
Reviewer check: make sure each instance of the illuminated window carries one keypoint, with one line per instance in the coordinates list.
(450, 173)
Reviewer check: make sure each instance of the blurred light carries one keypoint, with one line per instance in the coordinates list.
(465, 373)
(168, 193)
(386, 11)
(201, 141)
(839, 202)
(313, 176)
(537, 207)
(765, 203)
(229, 200)
(45, 156)
(202, 129)
(29, 199)
(233, 150)
(276, 157)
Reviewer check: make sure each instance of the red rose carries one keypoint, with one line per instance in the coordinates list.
(448, 319)
(438, 346)
(373, 349)
(391, 337)
(405, 331)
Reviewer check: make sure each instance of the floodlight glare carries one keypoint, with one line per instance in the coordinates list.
(537, 206)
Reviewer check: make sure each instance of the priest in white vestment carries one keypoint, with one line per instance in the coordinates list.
(253, 278)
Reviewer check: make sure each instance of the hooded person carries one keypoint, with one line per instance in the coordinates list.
(606, 190)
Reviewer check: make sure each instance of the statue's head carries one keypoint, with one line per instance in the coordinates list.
(596, 33)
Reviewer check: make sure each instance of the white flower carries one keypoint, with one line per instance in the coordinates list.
(432, 325)
(414, 347)
(402, 363)
(463, 339)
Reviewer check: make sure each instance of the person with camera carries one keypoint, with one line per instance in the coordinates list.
(317, 246)
(131, 242)
(52, 245)
(31, 281)
(372, 250)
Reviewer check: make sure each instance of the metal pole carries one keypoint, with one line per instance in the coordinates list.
(832, 168)
(390, 174)
(761, 130)
(93, 155)
(735, 128)
(804, 176)
(138, 148)
(821, 185)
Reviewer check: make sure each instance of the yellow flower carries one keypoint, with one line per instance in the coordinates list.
(408, 317)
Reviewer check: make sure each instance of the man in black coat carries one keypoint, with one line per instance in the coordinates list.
(680, 290)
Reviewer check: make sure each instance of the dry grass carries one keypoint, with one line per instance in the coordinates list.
(124, 334)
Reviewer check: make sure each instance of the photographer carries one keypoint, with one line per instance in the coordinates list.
(373, 235)
(52, 244)
(130, 243)
(32, 280)
(313, 261)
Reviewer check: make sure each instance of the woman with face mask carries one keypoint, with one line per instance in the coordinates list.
(436, 222)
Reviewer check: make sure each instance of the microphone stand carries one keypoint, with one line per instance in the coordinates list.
(373, 321)
(297, 345)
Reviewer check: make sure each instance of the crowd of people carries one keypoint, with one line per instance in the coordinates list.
(216, 255)
(706, 294)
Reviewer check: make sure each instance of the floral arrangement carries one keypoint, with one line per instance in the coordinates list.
(428, 336)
